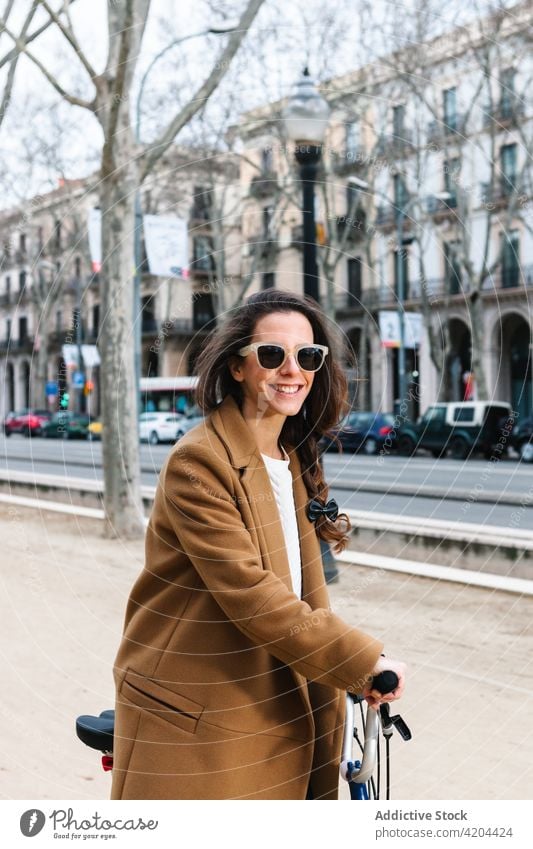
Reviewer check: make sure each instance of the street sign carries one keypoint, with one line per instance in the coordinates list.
(51, 389)
(78, 380)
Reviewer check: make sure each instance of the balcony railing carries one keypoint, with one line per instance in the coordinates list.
(440, 130)
(263, 185)
(348, 161)
(394, 144)
(387, 217)
(440, 207)
(6, 299)
(497, 193)
(506, 112)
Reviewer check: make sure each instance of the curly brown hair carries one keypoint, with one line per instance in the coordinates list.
(322, 409)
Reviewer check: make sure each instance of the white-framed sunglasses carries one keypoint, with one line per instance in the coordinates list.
(270, 355)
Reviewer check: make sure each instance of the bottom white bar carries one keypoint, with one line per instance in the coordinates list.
(262, 825)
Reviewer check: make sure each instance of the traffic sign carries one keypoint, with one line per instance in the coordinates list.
(78, 380)
(51, 389)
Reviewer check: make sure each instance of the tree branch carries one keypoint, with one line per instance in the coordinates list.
(219, 70)
(14, 51)
(20, 47)
(68, 32)
(6, 97)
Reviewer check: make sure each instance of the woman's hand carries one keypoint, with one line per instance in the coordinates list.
(374, 697)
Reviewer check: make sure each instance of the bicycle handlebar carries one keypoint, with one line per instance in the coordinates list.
(385, 682)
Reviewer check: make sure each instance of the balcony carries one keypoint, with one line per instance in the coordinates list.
(263, 185)
(149, 325)
(387, 218)
(506, 113)
(348, 161)
(24, 343)
(6, 299)
(390, 146)
(441, 131)
(200, 216)
(497, 194)
(440, 208)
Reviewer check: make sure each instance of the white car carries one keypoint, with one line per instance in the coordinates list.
(159, 427)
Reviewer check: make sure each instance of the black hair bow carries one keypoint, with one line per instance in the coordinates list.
(315, 508)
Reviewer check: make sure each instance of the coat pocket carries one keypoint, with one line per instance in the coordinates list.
(151, 696)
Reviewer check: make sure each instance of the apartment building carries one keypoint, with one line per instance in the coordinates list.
(425, 202)
(50, 316)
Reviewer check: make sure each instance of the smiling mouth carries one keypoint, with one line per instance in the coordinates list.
(287, 389)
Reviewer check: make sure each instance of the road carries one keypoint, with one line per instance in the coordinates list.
(470, 491)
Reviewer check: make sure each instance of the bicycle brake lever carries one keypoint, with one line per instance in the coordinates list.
(387, 721)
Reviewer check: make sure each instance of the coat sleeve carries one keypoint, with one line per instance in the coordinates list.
(210, 531)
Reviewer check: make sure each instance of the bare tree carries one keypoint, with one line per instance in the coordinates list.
(124, 167)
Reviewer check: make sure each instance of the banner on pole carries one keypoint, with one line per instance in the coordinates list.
(167, 245)
(389, 329)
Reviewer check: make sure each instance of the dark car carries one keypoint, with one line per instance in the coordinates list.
(27, 422)
(361, 431)
(461, 428)
(66, 425)
(522, 439)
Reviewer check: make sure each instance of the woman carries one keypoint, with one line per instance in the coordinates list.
(232, 671)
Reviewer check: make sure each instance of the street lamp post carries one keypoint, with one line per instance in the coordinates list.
(137, 313)
(306, 119)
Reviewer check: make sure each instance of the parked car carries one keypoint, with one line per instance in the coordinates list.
(159, 427)
(193, 417)
(66, 425)
(361, 431)
(459, 428)
(522, 439)
(27, 422)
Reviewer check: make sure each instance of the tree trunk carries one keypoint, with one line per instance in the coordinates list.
(120, 443)
(475, 307)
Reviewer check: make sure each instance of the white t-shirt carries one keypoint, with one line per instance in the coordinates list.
(281, 481)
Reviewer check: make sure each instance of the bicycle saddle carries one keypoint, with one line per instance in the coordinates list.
(97, 731)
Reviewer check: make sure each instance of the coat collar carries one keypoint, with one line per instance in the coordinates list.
(243, 452)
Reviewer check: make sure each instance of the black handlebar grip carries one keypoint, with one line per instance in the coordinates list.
(385, 682)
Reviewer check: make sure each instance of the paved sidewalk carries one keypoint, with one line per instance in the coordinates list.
(469, 697)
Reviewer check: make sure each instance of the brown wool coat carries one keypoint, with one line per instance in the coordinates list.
(228, 685)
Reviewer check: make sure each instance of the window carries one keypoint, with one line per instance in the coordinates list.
(8, 286)
(268, 280)
(22, 280)
(40, 238)
(452, 268)
(449, 108)
(96, 319)
(8, 329)
(510, 259)
(398, 121)
(508, 168)
(202, 203)
(203, 311)
(59, 321)
(266, 160)
(452, 169)
(57, 235)
(22, 243)
(352, 139)
(463, 414)
(507, 93)
(77, 267)
(203, 259)
(354, 280)
(23, 329)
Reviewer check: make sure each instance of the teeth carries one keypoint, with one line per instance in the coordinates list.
(288, 390)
